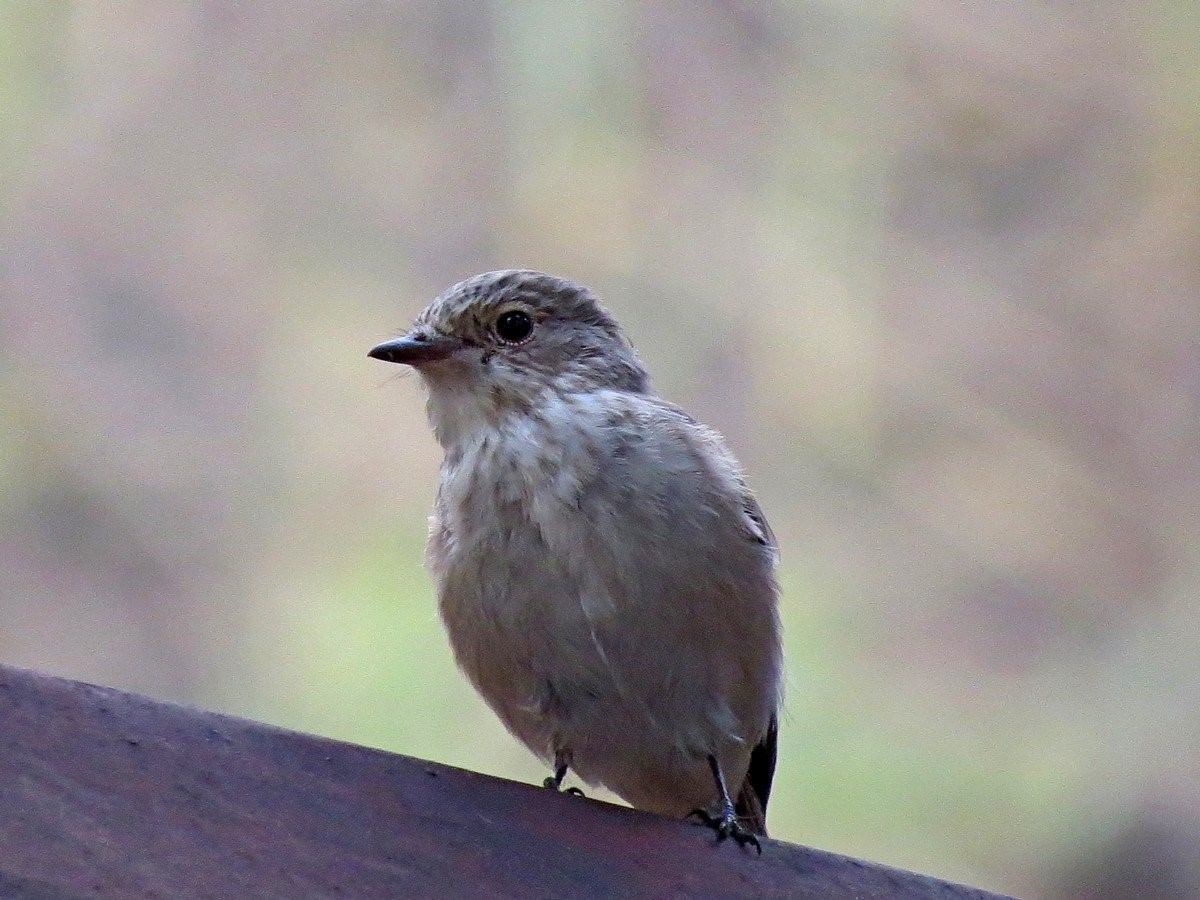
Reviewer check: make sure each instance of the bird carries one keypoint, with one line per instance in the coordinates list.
(606, 578)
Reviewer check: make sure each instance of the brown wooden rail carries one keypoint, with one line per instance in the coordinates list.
(104, 793)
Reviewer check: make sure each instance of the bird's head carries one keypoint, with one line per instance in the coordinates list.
(504, 341)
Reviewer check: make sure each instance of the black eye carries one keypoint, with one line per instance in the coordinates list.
(514, 326)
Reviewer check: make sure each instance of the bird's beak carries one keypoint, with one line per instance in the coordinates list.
(416, 348)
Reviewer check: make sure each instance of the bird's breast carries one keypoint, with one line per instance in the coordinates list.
(488, 548)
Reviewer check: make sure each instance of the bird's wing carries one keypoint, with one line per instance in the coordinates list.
(755, 514)
(756, 789)
(758, 525)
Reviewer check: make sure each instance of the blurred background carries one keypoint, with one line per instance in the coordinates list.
(933, 267)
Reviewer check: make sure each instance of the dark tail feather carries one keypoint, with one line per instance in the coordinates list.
(752, 799)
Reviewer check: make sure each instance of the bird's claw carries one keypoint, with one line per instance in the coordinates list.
(555, 784)
(727, 825)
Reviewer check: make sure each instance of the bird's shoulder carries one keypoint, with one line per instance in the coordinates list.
(672, 433)
(651, 413)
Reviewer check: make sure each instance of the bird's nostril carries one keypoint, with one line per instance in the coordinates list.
(420, 337)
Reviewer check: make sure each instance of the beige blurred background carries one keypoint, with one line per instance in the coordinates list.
(932, 267)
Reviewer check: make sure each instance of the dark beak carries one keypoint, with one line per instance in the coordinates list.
(415, 348)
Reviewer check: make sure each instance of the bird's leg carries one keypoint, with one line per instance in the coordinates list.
(561, 765)
(725, 824)
(562, 762)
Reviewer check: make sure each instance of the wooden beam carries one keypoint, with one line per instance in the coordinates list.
(111, 794)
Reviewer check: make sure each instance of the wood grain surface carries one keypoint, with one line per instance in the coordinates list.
(104, 793)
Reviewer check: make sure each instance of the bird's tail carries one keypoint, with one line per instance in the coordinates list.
(750, 810)
(751, 805)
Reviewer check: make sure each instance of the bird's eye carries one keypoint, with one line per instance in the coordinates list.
(514, 326)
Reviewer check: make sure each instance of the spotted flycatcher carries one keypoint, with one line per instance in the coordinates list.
(606, 577)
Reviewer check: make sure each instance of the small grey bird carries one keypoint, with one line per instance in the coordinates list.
(606, 578)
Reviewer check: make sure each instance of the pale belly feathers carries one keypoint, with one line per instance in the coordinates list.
(607, 597)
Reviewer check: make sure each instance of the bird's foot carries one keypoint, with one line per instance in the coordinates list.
(554, 783)
(726, 825)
